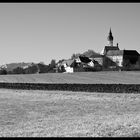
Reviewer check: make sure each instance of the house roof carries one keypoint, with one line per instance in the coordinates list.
(84, 59)
(95, 55)
(69, 62)
(114, 52)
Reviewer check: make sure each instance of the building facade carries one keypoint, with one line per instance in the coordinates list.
(116, 58)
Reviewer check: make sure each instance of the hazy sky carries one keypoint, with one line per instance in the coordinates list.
(34, 32)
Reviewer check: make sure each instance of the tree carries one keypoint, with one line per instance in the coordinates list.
(53, 63)
(31, 69)
(74, 56)
(10, 72)
(18, 70)
(126, 64)
(51, 66)
(3, 72)
(42, 68)
(90, 53)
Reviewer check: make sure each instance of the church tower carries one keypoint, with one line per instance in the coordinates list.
(110, 39)
(109, 46)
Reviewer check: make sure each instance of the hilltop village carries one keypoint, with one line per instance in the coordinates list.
(111, 58)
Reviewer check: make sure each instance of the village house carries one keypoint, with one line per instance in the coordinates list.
(79, 64)
(66, 66)
(97, 59)
(84, 61)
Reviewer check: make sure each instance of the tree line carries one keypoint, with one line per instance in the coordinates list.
(31, 69)
(41, 67)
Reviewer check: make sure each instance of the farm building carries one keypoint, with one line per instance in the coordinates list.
(66, 66)
(79, 64)
(98, 59)
(95, 57)
(83, 62)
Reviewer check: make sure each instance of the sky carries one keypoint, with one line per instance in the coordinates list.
(40, 32)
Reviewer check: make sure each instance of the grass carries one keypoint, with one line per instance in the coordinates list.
(68, 114)
(129, 77)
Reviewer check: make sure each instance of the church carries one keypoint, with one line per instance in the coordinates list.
(110, 58)
(114, 58)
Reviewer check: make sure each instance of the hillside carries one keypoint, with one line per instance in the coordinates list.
(11, 66)
(91, 54)
(81, 77)
(88, 53)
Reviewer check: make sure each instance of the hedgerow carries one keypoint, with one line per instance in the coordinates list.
(110, 88)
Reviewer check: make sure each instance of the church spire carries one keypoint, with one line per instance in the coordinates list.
(110, 38)
(110, 32)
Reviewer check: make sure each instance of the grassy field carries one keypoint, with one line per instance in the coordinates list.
(38, 113)
(79, 77)
(30, 113)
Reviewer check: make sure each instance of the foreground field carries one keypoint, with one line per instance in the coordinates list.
(79, 77)
(60, 113)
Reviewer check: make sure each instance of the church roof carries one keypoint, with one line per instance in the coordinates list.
(131, 52)
(107, 48)
(114, 52)
(122, 52)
